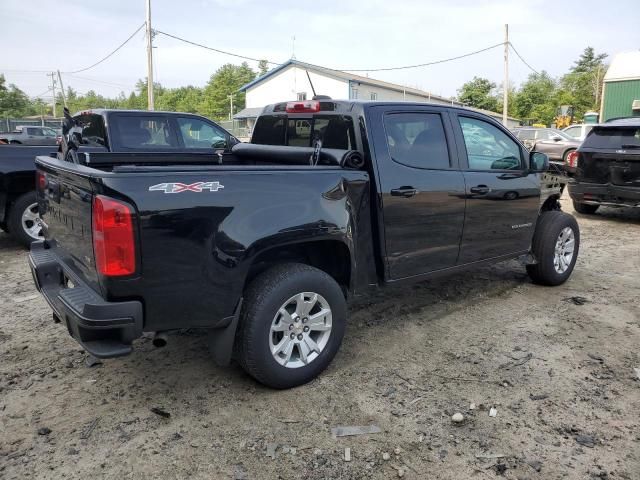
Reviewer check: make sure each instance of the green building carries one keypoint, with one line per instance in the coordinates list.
(621, 89)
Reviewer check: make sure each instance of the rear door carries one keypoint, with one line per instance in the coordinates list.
(421, 188)
(502, 197)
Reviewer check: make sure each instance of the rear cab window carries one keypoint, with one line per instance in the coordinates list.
(335, 131)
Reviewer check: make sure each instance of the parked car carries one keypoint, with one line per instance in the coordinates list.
(556, 144)
(579, 131)
(28, 135)
(608, 167)
(263, 246)
(18, 206)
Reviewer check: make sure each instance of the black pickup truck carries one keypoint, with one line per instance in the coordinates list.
(264, 245)
(18, 207)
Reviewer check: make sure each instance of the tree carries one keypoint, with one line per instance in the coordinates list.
(13, 101)
(263, 67)
(536, 99)
(225, 82)
(479, 93)
(582, 86)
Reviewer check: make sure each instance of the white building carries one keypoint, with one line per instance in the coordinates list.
(293, 81)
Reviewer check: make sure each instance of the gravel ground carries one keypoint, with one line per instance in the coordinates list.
(556, 364)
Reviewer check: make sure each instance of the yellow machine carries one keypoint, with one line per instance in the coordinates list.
(564, 116)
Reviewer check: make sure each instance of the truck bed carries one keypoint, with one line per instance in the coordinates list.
(200, 227)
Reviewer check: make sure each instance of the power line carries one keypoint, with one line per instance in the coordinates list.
(114, 51)
(214, 49)
(95, 80)
(444, 60)
(522, 59)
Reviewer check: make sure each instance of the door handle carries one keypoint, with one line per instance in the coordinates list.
(405, 192)
(480, 189)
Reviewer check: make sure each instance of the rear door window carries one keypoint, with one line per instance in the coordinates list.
(613, 138)
(417, 140)
(144, 132)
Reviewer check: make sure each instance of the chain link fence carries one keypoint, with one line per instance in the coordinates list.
(8, 125)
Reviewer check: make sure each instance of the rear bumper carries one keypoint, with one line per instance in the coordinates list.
(604, 194)
(104, 329)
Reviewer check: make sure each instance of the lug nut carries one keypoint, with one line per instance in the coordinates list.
(300, 337)
(292, 336)
(306, 329)
(291, 326)
(305, 320)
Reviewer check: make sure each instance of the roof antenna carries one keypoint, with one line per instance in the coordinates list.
(311, 83)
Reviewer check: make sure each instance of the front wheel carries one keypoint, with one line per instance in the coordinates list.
(555, 245)
(292, 325)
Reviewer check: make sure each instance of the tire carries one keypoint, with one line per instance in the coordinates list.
(264, 300)
(585, 208)
(14, 142)
(553, 269)
(566, 154)
(23, 222)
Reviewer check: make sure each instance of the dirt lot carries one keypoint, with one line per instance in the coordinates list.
(559, 374)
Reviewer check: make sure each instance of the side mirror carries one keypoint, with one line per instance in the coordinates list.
(232, 141)
(538, 162)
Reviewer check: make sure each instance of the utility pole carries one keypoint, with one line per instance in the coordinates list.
(64, 97)
(231, 106)
(150, 101)
(53, 89)
(505, 87)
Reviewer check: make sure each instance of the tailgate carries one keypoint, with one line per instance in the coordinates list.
(615, 168)
(65, 203)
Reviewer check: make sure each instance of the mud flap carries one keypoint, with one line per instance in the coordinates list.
(220, 340)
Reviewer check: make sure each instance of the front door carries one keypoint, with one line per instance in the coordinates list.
(503, 198)
(421, 189)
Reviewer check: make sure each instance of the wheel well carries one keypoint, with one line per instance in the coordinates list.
(330, 256)
(550, 204)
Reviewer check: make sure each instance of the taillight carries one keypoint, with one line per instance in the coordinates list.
(572, 159)
(113, 239)
(41, 180)
(303, 107)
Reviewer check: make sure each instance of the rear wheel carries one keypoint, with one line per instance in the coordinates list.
(585, 208)
(292, 325)
(24, 221)
(555, 245)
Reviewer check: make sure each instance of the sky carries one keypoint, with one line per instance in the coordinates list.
(46, 35)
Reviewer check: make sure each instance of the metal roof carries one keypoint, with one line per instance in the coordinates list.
(624, 66)
(248, 112)
(349, 77)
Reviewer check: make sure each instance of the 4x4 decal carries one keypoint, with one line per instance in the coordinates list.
(197, 187)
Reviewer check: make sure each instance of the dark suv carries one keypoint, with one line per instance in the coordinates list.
(608, 167)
